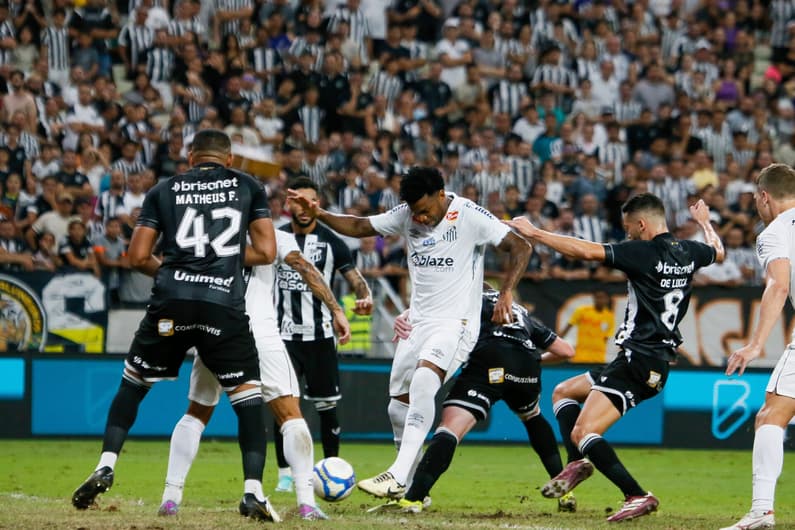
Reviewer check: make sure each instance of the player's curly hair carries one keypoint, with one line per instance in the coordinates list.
(420, 181)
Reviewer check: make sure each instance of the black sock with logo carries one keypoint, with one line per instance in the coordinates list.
(329, 432)
(434, 462)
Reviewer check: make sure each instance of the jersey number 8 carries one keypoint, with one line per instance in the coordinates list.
(672, 301)
(193, 223)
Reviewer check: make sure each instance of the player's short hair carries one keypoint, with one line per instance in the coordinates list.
(302, 183)
(646, 203)
(778, 180)
(419, 182)
(213, 141)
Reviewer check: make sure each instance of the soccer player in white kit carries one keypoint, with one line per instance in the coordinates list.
(775, 247)
(279, 383)
(446, 236)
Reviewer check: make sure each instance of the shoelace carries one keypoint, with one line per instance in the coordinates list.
(631, 505)
(383, 477)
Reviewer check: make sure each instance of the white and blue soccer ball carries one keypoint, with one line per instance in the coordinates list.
(333, 479)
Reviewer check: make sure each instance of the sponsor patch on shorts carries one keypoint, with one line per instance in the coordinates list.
(496, 376)
(654, 379)
(165, 327)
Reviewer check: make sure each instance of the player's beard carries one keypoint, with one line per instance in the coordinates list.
(302, 224)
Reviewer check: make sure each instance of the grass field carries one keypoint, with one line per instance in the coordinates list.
(486, 487)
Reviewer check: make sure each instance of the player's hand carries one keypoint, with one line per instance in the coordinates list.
(503, 312)
(402, 326)
(700, 212)
(341, 326)
(522, 226)
(364, 306)
(311, 206)
(740, 358)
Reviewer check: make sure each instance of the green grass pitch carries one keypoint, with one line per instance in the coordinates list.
(486, 487)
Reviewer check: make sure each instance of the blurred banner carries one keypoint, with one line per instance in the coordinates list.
(69, 395)
(40, 311)
(719, 320)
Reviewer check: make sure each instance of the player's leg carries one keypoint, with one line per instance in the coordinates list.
(203, 396)
(456, 423)
(323, 388)
(232, 358)
(768, 453)
(298, 359)
(281, 392)
(566, 399)
(155, 354)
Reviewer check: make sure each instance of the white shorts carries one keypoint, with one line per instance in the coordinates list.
(782, 380)
(275, 368)
(445, 343)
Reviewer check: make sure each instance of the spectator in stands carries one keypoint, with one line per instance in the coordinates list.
(111, 254)
(76, 252)
(14, 255)
(56, 221)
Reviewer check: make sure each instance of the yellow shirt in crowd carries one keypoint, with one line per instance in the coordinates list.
(594, 329)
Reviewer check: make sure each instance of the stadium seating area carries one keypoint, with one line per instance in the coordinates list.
(551, 109)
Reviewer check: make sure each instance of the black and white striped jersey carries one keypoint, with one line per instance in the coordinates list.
(231, 26)
(781, 13)
(57, 42)
(6, 30)
(129, 167)
(301, 316)
(137, 40)
(312, 119)
(266, 59)
(506, 96)
(159, 64)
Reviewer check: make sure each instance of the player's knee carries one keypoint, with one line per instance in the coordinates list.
(134, 378)
(527, 415)
(578, 433)
(203, 413)
(322, 406)
(762, 416)
(560, 391)
(445, 432)
(248, 391)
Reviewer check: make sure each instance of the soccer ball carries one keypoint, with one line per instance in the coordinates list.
(333, 479)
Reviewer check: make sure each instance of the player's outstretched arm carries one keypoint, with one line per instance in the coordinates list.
(314, 280)
(364, 299)
(263, 239)
(350, 225)
(774, 297)
(571, 247)
(700, 212)
(140, 251)
(519, 252)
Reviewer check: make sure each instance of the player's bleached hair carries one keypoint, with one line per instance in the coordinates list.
(211, 141)
(778, 180)
(419, 182)
(647, 203)
(302, 183)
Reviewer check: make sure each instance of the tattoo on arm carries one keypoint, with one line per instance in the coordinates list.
(518, 255)
(313, 279)
(358, 283)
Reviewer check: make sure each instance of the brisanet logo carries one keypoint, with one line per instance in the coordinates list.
(212, 185)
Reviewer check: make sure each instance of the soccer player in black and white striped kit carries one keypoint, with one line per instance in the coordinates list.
(306, 324)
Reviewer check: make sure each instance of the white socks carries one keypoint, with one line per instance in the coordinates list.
(419, 418)
(184, 446)
(767, 463)
(299, 453)
(254, 486)
(397, 411)
(107, 459)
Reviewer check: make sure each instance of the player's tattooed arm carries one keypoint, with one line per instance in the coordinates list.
(314, 280)
(364, 300)
(519, 252)
(700, 212)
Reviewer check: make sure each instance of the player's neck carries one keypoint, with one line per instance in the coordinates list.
(308, 229)
(782, 206)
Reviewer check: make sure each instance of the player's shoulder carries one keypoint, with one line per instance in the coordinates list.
(286, 227)
(327, 235)
(782, 223)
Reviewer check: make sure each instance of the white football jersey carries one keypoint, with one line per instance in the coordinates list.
(260, 302)
(777, 241)
(445, 261)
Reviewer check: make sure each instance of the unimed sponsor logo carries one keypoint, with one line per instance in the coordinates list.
(182, 276)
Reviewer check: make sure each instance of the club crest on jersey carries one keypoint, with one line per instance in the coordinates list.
(496, 376)
(451, 235)
(165, 327)
(452, 216)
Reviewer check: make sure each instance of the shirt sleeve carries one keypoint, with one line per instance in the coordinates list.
(627, 256)
(575, 316)
(150, 216)
(392, 222)
(485, 227)
(770, 247)
(259, 202)
(285, 245)
(343, 259)
(542, 336)
(703, 255)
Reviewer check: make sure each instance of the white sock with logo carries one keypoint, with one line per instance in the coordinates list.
(299, 453)
(768, 461)
(397, 411)
(184, 446)
(422, 407)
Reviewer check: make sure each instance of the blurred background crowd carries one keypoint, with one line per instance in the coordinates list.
(551, 109)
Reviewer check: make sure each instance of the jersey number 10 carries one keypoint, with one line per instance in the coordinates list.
(191, 234)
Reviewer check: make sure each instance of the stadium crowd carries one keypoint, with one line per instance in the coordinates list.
(551, 109)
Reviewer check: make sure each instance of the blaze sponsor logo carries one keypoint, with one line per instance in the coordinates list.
(165, 327)
(433, 262)
(452, 216)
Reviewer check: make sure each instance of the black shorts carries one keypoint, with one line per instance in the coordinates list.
(631, 378)
(316, 362)
(220, 334)
(482, 384)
